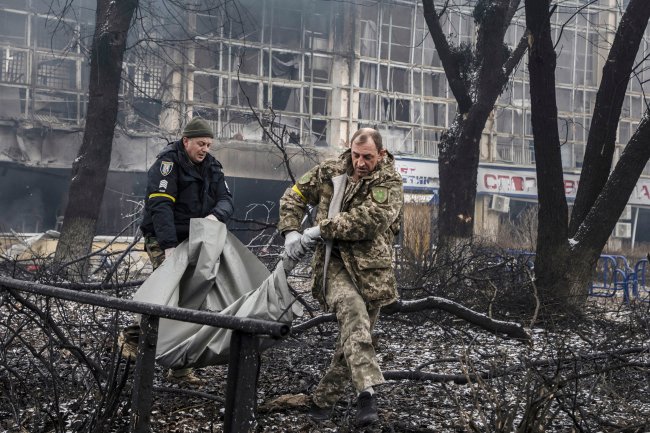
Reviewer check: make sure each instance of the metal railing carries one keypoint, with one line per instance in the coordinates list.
(244, 357)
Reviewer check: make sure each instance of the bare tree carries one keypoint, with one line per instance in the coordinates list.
(566, 253)
(476, 77)
(90, 168)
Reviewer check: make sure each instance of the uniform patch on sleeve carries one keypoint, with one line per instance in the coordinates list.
(379, 194)
(305, 178)
(166, 167)
(162, 186)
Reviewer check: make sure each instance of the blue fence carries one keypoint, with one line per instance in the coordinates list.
(613, 276)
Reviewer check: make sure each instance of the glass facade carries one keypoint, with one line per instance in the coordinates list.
(303, 69)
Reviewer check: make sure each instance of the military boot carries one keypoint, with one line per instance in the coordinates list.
(366, 409)
(318, 413)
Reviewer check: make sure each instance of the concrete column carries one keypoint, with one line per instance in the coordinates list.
(345, 74)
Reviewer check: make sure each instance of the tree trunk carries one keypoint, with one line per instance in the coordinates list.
(563, 266)
(609, 100)
(593, 233)
(476, 81)
(90, 168)
(552, 242)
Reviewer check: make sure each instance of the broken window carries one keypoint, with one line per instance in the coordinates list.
(206, 88)
(13, 28)
(368, 76)
(247, 60)
(566, 53)
(55, 105)
(244, 93)
(400, 80)
(504, 120)
(287, 23)
(319, 130)
(13, 4)
(13, 66)
(428, 83)
(283, 98)
(401, 30)
(53, 34)
(368, 30)
(317, 68)
(434, 114)
(367, 106)
(624, 132)
(395, 109)
(245, 20)
(585, 58)
(564, 99)
(210, 24)
(283, 65)
(208, 54)
(317, 27)
(319, 100)
(55, 72)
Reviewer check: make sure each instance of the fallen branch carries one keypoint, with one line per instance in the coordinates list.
(463, 379)
(189, 392)
(511, 329)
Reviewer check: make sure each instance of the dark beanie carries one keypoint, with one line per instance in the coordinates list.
(198, 128)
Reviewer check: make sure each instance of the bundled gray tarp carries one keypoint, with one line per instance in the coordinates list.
(214, 271)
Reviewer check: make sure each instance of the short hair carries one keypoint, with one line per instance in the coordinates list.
(362, 136)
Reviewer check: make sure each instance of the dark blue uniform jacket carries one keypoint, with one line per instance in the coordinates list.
(178, 190)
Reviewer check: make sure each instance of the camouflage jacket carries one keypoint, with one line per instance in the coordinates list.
(363, 231)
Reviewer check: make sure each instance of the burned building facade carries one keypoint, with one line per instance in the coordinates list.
(305, 74)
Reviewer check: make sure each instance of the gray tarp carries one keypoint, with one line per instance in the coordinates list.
(213, 270)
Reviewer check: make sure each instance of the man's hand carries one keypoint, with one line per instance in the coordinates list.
(310, 237)
(169, 251)
(292, 245)
(211, 217)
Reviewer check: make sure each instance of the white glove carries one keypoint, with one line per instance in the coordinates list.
(292, 246)
(288, 263)
(169, 251)
(211, 217)
(310, 237)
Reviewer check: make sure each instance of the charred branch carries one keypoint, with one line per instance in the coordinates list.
(511, 329)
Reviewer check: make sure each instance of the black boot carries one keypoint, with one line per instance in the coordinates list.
(366, 409)
(318, 413)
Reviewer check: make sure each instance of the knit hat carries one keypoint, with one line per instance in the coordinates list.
(198, 127)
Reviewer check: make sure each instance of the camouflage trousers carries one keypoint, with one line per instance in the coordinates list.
(155, 253)
(156, 256)
(354, 356)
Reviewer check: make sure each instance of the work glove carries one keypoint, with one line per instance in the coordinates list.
(310, 237)
(288, 263)
(212, 217)
(292, 246)
(169, 251)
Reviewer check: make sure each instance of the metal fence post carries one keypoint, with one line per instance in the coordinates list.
(142, 396)
(241, 390)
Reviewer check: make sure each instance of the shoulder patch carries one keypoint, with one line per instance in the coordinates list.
(379, 194)
(166, 167)
(305, 178)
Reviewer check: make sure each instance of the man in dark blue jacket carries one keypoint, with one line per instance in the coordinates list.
(185, 182)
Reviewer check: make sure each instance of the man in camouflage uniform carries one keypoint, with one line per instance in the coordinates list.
(358, 198)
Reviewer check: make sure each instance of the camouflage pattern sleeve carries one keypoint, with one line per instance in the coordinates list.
(373, 216)
(293, 204)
